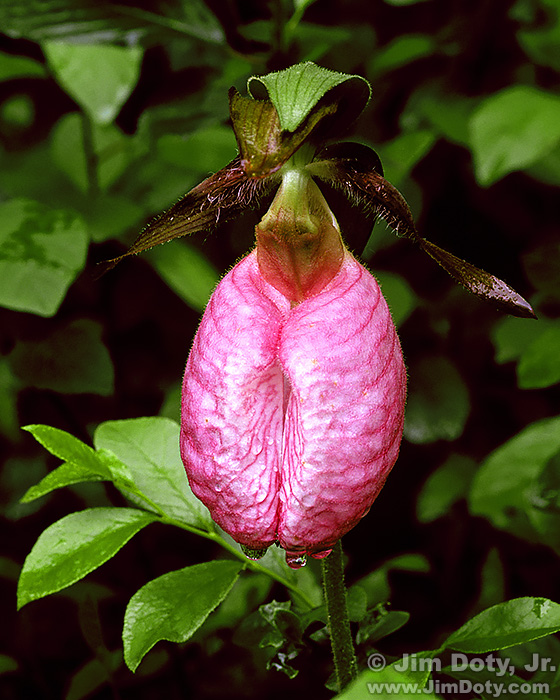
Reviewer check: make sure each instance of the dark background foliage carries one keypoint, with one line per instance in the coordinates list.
(481, 176)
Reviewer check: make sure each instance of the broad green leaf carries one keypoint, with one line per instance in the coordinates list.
(81, 463)
(67, 447)
(507, 624)
(20, 67)
(203, 152)
(498, 487)
(389, 683)
(376, 584)
(296, 91)
(72, 547)
(400, 155)
(540, 38)
(513, 129)
(448, 484)
(539, 365)
(94, 22)
(187, 271)
(150, 449)
(72, 360)
(112, 149)
(512, 336)
(41, 252)
(93, 675)
(438, 403)
(110, 216)
(173, 606)
(445, 114)
(400, 51)
(380, 623)
(100, 77)
(398, 295)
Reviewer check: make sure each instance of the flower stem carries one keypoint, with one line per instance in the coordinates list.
(346, 667)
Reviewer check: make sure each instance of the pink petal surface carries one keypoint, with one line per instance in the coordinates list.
(292, 417)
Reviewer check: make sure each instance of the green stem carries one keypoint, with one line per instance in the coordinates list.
(346, 667)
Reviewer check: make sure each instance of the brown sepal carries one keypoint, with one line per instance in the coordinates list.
(371, 191)
(218, 198)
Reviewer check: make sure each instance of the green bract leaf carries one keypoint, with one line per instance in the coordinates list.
(187, 271)
(41, 252)
(498, 487)
(100, 77)
(74, 546)
(512, 130)
(174, 606)
(150, 449)
(438, 405)
(296, 91)
(507, 624)
(72, 360)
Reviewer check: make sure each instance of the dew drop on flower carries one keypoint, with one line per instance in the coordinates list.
(295, 561)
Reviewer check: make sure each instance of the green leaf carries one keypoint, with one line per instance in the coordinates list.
(20, 67)
(512, 336)
(81, 463)
(71, 548)
(202, 152)
(296, 91)
(7, 664)
(41, 252)
(398, 295)
(389, 684)
(539, 365)
(173, 606)
(90, 21)
(401, 51)
(113, 151)
(438, 404)
(72, 360)
(150, 449)
(380, 623)
(187, 271)
(8, 401)
(400, 155)
(444, 487)
(498, 487)
(376, 584)
(513, 129)
(540, 39)
(507, 624)
(100, 77)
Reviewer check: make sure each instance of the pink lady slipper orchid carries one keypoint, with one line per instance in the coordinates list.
(294, 390)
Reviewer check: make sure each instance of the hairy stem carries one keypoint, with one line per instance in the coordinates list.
(346, 667)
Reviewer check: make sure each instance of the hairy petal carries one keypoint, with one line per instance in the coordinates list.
(292, 415)
(344, 419)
